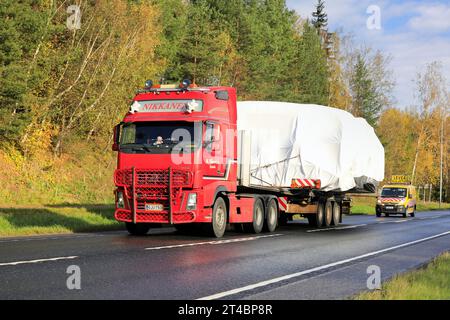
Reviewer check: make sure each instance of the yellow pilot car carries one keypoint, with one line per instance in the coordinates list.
(397, 199)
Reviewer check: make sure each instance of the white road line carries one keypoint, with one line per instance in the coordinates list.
(320, 268)
(36, 261)
(214, 242)
(6, 240)
(401, 221)
(337, 228)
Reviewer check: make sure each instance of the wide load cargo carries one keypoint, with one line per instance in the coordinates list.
(302, 141)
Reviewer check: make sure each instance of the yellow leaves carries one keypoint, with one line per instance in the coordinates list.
(38, 139)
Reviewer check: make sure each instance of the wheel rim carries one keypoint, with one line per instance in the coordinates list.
(272, 218)
(328, 213)
(336, 214)
(259, 216)
(320, 215)
(220, 217)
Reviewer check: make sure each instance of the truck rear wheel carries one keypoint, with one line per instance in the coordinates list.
(138, 229)
(258, 218)
(316, 220)
(271, 216)
(219, 218)
(336, 214)
(328, 213)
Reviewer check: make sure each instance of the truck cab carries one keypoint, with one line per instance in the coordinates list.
(176, 154)
(397, 199)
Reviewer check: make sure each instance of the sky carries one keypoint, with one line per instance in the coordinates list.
(414, 33)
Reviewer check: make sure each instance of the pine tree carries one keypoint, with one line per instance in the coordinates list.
(310, 70)
(320, 17)
(365, 102)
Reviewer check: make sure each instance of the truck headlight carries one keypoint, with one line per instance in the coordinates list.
(378, 201)
(192, 201)
(120, 200)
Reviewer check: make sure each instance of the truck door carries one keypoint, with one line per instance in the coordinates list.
(214, 161)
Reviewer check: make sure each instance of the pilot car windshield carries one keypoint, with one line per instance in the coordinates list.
(394, 192)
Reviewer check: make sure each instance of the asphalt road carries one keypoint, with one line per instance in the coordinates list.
(295, 262)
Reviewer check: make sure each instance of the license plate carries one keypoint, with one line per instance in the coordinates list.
(154, 207)
(389, 208)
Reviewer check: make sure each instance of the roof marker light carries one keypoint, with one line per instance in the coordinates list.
(148, 84)
(186, 83)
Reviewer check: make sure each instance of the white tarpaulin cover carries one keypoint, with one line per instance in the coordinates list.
(309, 142)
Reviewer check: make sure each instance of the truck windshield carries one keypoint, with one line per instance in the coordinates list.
(158, 137)
(393, 193)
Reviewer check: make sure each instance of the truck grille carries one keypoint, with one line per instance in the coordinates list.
(152, 186)
(158, 178)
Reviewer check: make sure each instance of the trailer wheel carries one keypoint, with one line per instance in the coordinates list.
(328, 213)
(317, 220)
(137, 229)
(219, 219)
(258, 218)
(271, 216)
(336, 214)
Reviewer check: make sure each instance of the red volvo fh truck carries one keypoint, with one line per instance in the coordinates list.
(178, 165)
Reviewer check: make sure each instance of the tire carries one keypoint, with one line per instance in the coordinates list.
(317, 220)
(413, 214)
(137, 229)
(271, 221)
(219, 218)
(258, 218)
(404, 215)
(336, 214)
(386, 214)
(378, 214)
(328, 218)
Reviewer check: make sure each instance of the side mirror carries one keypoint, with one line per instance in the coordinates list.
(115, 146)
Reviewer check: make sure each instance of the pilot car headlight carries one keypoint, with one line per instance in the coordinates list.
(192, 201)
(120, 200)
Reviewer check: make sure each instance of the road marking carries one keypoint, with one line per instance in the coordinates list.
(36, 261)
(316, 269)
(401, 221)
(51, 238)
(337, 228)
(214, 242)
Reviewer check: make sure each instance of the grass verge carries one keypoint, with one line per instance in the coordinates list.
(53, 219)
(429, 283)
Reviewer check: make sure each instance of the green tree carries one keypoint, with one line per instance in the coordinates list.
(310, 69)
(21, 29)
(365, 103)
(320, 17)
(173, 19)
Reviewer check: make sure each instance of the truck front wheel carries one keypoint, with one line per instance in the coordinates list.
(137, 229)
(219, 218)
